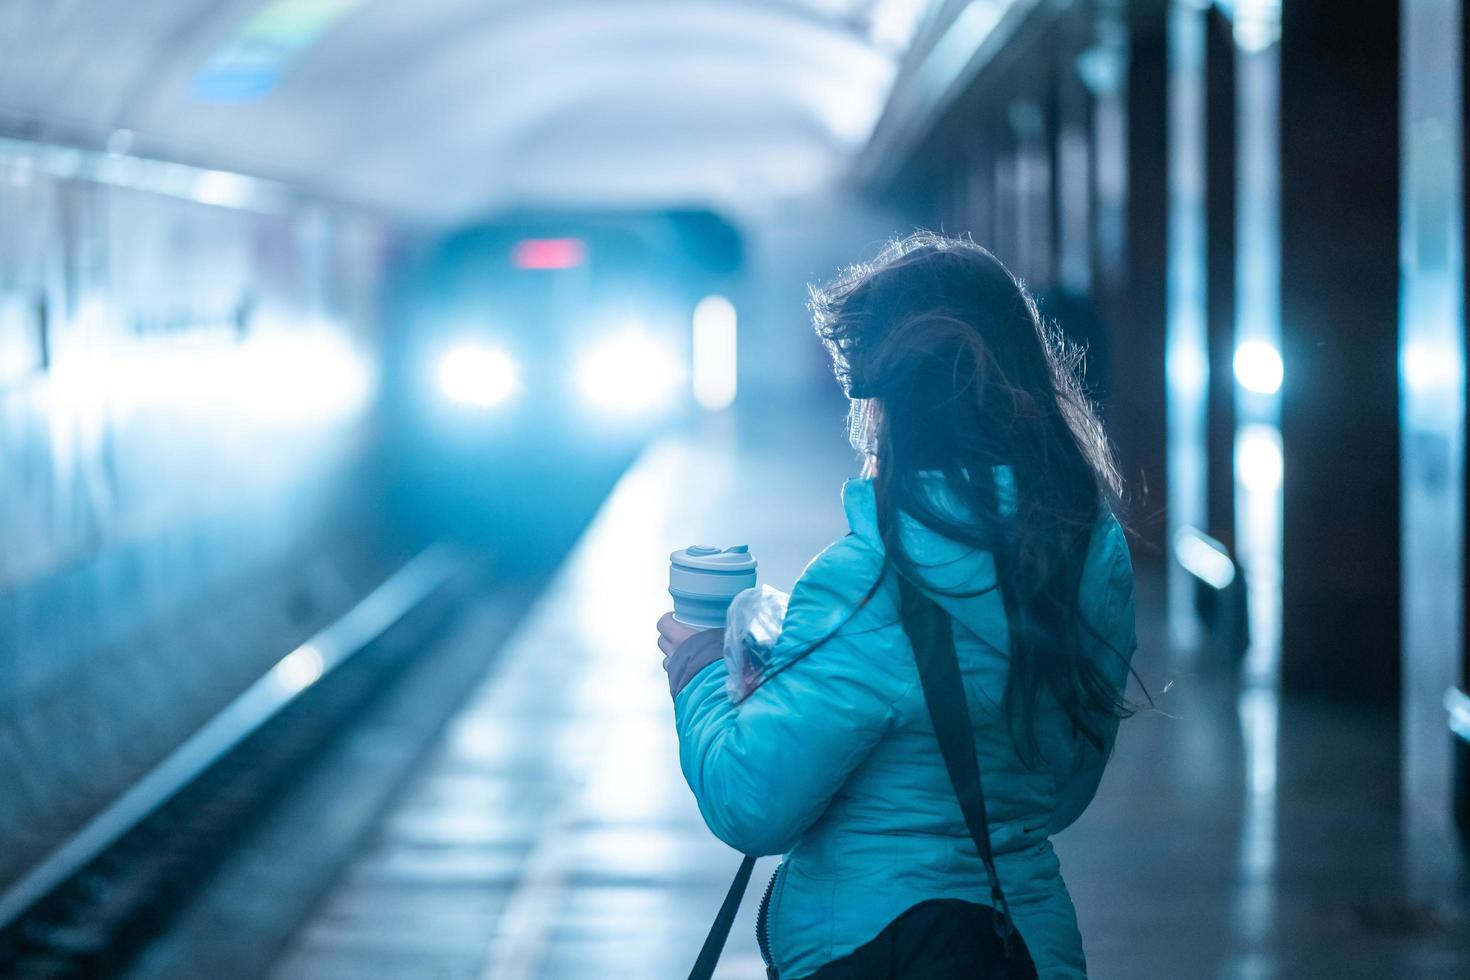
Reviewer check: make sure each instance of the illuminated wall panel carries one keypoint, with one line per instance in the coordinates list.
(1432, 409)
(1186, 362)
(1260, 466)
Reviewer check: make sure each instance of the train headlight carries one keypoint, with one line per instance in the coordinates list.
(471, 374)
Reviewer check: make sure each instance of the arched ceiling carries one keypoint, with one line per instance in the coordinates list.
(446, 108)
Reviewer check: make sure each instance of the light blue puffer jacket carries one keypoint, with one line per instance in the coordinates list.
(833, 762)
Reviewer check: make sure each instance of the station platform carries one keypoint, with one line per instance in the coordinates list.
(548, 833)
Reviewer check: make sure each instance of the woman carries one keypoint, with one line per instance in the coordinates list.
(987, 485)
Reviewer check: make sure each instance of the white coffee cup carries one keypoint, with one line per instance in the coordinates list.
(703, 579)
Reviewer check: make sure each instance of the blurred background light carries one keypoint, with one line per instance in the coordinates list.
(1256, 23)
(630, 371)
(278, 378)
(313, 375)
(299, 669)
(251, 63)
(892, 23)
(1187, 372)
(1258, 457)
(714, 353)
(1458, 705)
(1429, 367)
(472, 374)
(1204, 558)
(548, 253)
(222, 188)
(1258, 367)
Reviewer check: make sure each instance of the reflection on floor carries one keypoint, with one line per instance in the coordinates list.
(551, 836)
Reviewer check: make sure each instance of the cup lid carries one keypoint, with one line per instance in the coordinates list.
(709, 558)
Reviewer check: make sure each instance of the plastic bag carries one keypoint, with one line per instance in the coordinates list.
(752, 627)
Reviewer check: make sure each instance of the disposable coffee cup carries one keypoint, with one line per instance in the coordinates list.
(703, 579)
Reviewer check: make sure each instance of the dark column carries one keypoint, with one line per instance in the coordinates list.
(1220, 288)
(1135, 409)
(1340, 284)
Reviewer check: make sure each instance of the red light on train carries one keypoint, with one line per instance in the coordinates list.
(548, 253)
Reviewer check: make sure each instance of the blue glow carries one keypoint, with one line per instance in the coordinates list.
(234, 83)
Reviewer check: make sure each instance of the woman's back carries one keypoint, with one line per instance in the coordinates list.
(835, 763)
(987, 481)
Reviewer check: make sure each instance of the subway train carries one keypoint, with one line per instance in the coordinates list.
(538, 351)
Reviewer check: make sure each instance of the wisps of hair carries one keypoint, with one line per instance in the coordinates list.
(969, 377)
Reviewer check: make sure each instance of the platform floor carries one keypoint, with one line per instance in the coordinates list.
(550, 835)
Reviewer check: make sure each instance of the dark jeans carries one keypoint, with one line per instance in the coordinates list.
(943, 939)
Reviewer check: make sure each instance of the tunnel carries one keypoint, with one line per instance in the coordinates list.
(364, 366)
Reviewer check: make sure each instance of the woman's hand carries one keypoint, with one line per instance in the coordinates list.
(671, 633)
(687, 650)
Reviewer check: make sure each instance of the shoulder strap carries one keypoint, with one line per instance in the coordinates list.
(931, 633)
(719, 932)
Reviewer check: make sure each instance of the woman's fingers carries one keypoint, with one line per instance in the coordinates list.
(671, 633)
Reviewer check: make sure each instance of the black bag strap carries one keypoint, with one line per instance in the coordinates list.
(931, 633)
(719, 932)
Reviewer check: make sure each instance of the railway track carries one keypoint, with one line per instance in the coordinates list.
(95, 902)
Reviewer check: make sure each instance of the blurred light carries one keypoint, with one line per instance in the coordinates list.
(299, 669)
(22, 158)
(1257, 23)
(1432, 367)
(285, 376)
(475, 375)
(1187, 371)
(851, 115)
(252, 62)
(221, 188)
(21, 353)
(893, 23)
(548, 253)
(1258, 457)
(1258, 367)
(1101, 68)
(1458, 706)
(970, 30)
(1204, 557)
(630, 371)
(715, 346)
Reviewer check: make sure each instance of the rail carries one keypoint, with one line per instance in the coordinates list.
(282, 684)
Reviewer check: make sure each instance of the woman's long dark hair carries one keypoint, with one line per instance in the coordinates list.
(968, 377)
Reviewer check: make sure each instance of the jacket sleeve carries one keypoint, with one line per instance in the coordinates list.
(764, 770)
(1077, 786)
